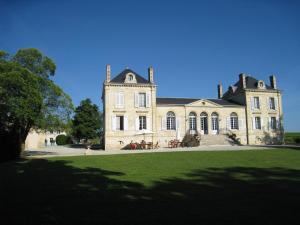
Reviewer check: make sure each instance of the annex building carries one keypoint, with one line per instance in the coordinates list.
(250, 109)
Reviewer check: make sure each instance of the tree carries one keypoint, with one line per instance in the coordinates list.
(28, 99)
(87, 121)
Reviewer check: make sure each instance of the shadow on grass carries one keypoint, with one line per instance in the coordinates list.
(53, 192)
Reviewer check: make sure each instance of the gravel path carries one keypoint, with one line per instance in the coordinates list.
(68, 151)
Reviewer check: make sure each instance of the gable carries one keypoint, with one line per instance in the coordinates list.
(203, 103)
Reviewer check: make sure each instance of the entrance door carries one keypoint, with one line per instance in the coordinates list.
(214, 123)
(204, 124)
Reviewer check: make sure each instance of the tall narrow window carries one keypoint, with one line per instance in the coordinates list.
(256, 103)
(192, 122)
(234, 121)
(272, 103)
(204, 123)
(273, 123)
(142, 99)
(119, 122)
(171, 121)
(215, 122)
(257, 123)
(143, 123)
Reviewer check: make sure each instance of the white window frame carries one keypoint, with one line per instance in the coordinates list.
(234, 121)
(193, 122)
(120, 122)
(142, 123)
(142, 100)
(273, 123)
(171, 121)
(272, 104)
(257, 122)
(256, 102)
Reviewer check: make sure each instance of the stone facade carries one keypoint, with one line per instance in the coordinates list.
(132, 112)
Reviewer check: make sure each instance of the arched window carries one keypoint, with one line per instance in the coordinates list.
(203, 122)
(193, 122)
(171, 121)
(215, 122)
(234, 121)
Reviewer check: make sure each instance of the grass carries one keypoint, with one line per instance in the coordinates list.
(225, 187)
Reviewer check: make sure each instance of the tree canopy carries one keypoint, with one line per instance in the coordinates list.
(87, 121)
(28, 98)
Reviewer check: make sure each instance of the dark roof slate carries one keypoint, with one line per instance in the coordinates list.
(184, 101)
(121, 77)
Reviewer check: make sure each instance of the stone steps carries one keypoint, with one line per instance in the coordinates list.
(219, 139)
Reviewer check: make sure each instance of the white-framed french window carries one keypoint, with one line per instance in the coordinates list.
(142, 123)
(193, 122)
(256, 103)
(272, 103)
(142, 100)
(257, 123)
(119, 100)
(273, 123)
(234, 121)
(171, 121)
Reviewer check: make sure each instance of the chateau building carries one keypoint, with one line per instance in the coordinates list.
(251, 110)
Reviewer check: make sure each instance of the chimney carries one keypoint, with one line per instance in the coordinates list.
(108, 73)
(150, 74)
(220, 91)
(243, 80)
(273, 82)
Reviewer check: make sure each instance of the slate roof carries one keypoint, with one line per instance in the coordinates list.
(184, 101)
(121, 77)
(251, 83)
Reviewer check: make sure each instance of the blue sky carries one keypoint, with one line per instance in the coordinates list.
(192, 45)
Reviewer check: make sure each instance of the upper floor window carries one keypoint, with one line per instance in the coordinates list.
(130, 77)
(256, 103)
(142, 123)
(171, 121)
(142, 99)
(272, 103)
(234, 121)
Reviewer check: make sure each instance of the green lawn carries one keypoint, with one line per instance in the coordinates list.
(232, 187)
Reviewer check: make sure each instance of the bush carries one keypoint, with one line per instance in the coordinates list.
(191, 140)
(63, 139)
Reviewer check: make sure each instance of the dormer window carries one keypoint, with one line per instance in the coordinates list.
(260, 84)
(130, 78)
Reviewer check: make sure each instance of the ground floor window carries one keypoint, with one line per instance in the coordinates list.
(273, 123)
(143, 123)
(192, 121)
(119, 122)
(171, 121)
(234, 121)
(257, 123)
(215, 121)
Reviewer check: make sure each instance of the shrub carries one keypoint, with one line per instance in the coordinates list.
(297, 140)
(63, 139)
(191, 140)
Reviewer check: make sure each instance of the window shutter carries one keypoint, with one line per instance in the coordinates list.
(262, 125)
(177, 125)
(276, 103)
(268, 103)
(277, 123)
(125, 123)
(113, 123)
(121, 100)
(241, 124)
(252, 103)
(163, 123)
(253, 123)
(228, 125)
(117, 100)
(148, 123)
(269, 123)
(136, 99)
(148, 99)
(137, 123)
